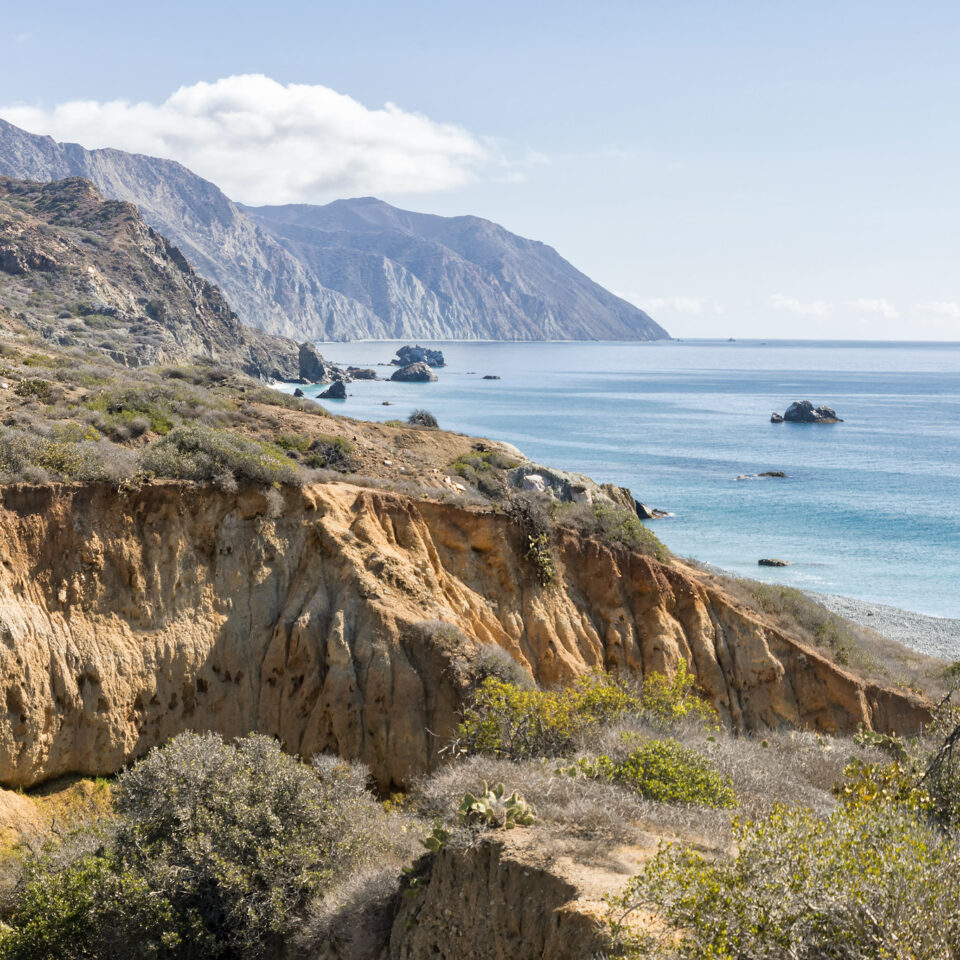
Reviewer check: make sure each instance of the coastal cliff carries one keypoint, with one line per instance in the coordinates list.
(126, 617)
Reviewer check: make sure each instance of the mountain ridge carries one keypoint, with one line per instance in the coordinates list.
(364, 281)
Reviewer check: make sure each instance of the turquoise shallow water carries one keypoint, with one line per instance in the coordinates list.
(871, 507)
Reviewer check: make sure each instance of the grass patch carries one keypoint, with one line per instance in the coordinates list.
(611, 523)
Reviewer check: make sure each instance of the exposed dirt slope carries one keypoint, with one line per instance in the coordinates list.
(126, 617)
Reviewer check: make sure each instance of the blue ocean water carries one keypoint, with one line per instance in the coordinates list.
(871, 506)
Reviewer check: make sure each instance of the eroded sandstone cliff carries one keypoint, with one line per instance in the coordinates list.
(126, 617)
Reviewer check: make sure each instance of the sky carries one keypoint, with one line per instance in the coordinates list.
(776, 168)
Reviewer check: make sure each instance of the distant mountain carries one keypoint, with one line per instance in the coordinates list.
(462, 277)
(350, 269)
(82, 271)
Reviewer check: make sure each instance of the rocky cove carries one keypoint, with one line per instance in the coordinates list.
(128, 616)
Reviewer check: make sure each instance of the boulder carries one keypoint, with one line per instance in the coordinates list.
(772, 562)
(803, 411)
(299, 393)
(417, 372)
(407, 355)
(313, 368)
(534, 483)
(362, 373)
(336, 391)
(776, 417)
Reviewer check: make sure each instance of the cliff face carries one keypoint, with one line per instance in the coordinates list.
(127, 617)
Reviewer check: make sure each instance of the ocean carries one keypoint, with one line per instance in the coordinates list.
(870, 507)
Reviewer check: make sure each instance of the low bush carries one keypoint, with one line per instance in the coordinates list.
(486, 470)
(506, 720)
(67, 454)
(217, 851)
(207, 454)
(331, 453)
(866, 882)
(422, 418)
(33, 388)
(664, 771)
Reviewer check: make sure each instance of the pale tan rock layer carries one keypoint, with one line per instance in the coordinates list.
(126, 617)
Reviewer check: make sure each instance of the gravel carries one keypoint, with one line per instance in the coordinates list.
(935, 636)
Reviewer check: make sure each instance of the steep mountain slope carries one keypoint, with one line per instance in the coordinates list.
(265, 285)
(351, 268)
(425, 275)
(82, 271)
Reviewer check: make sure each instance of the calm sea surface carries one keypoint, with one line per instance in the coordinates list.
(871, 506)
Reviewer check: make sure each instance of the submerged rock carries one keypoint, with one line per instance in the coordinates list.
(772, 473)
(417, 372)
(490, 376)
(772, 562)
(362, 373)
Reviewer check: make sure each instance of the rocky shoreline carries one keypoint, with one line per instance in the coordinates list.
(934, 636)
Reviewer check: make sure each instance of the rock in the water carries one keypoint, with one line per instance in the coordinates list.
(417, 372)
(336, 391)
(362, 373)
(772, 562)
(299, 393)
(776, 417)
(772, 473)
(491, 376)
(407, 355)
(803, 411)
(313, 368)
(387, 403)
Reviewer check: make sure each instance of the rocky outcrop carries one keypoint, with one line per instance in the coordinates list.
(336, 391)
(407, 355)
(414, 373)
(313, 368)
(361, 373)
(126, 617)
(803, 411)
(494, 901)
(90, 273)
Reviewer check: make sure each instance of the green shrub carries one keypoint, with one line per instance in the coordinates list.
(666, 771)
(486, 470)
(206, 454)
(516, 722)
(216, 851)
(668, 700)
(506, 720)
(865, 883)
(35, 389)
(92, 908)
(293, 441)
(332, 453)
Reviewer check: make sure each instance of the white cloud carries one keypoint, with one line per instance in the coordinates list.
(804, 308)
(882, 307)
(945, 308)
(265, 142)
